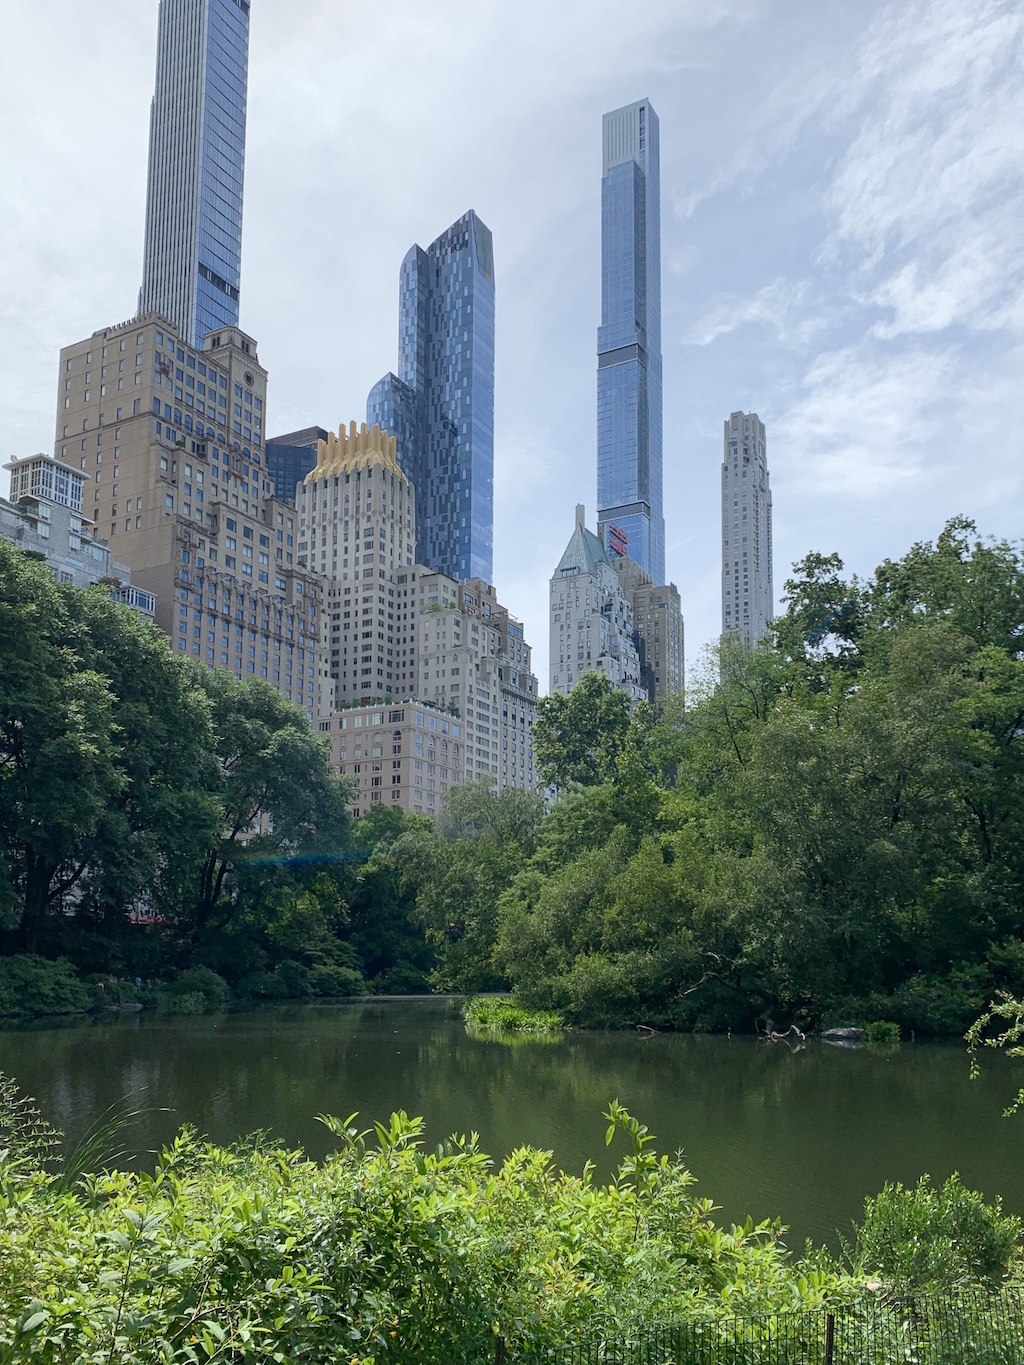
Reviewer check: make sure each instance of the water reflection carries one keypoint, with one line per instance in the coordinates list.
(768, 1130)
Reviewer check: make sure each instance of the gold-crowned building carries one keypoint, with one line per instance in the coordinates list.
(405, 641)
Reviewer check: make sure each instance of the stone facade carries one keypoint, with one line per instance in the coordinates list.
(169, 442)
(405, 755)
(657, 630)
(748, 601)
(591, 619)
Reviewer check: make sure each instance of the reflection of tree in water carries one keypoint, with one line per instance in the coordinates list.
(767, 1131)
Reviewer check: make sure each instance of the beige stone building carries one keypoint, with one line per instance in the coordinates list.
(357, 529)
(657, 628)
(405, 755)
(398, 630)
(170, 442)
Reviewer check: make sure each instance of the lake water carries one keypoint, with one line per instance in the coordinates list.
(803, 1135)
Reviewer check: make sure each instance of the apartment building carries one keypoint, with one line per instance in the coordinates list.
(169, 440)
(44, 517)
(405, 755)
(657, 629)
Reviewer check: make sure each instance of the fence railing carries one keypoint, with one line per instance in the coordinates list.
(962, 1330)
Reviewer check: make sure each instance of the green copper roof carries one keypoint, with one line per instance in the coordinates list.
(583, 554)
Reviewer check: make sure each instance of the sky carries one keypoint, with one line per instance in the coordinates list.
(842, 233)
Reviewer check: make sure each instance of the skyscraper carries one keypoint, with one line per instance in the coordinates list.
(440, 406)
(747, 597)
(629, 342)
(193, 247)
(591, 619)
(291, 457)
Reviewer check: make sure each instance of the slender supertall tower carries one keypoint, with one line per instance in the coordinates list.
(747, 597)
(440, 406)
(629, 507)
(193, 247)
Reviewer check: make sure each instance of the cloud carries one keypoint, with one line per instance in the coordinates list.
(792, 310)
(927, 202)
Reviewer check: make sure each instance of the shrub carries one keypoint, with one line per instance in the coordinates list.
(330, 979)
(389, 1250)
(883, 1034)
(211, 989)
(927, 1239)
(31, 986)
(492, 1013)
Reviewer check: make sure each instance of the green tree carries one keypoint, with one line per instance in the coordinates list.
(272, 766)
(58, 753)
(577, 738)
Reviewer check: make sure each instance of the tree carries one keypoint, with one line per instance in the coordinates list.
(274, 768)
(58, 768)
(577, 737)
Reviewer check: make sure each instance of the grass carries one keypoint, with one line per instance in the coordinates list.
(496, 1015)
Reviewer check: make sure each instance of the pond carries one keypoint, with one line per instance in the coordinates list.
(768, 1131)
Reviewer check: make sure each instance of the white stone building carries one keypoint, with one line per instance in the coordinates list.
(591, 619)
(748, 602)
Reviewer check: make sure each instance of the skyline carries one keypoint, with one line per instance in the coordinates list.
(842, 248)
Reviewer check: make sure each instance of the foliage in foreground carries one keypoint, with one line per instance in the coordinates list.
(385, 1252)
(389, 1252)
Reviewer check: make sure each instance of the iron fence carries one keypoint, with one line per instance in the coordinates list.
(963, 1330)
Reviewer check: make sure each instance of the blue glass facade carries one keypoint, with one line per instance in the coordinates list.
(291, 457)
(440, 406)
(629, 440)
(192, 260)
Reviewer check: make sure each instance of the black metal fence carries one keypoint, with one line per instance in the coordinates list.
(961, 1330)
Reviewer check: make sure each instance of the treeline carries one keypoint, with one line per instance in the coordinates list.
(160, 819)
(831, 831)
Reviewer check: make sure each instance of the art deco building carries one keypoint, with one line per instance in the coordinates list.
(168, 439)
(357, 527)
(748, 602)
(440, 405)
(398, 630)
(591, 619)
(193, 243)
(629, 426)
(657, 630)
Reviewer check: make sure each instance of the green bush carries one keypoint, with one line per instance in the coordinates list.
(388, 1251)
(201, 982)
(929, 1240)
(883, 1034)
(330, 979)
(31, 986)
(492, 1013)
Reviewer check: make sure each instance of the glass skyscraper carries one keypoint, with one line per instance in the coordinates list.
(193, 248)
(440, 405)
(629, 506)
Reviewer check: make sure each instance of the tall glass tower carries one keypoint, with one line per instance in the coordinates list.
(193, 249)
(440, 406)
(629, 507)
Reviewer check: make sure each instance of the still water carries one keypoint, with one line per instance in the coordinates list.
(803, 1135)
